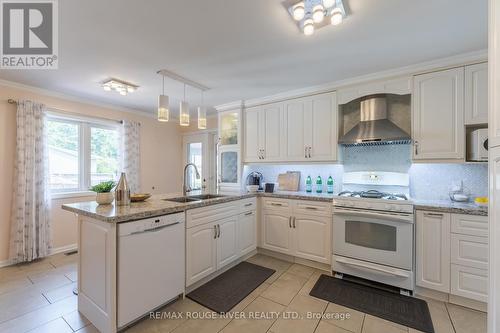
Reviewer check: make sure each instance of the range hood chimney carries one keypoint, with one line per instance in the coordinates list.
(374, 127)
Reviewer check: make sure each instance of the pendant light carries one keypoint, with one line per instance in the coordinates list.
(202, 114)
(184, 111)
(163, 111)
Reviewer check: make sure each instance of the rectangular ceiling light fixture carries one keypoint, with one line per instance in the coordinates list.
(121, 87)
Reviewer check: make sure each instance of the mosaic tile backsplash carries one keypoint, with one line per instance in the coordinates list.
(427, 181)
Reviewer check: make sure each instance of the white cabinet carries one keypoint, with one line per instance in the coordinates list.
(247, 232)
(297, 228)
(296, 111)
(301, 129)
(433, 250)
(218, 235)
(276, 231)
(227, 241)
(476, 94)
(263, 133)
(229, 151)
(201, 252)
(312, 239)
(438, 115)
(311, 128)
(469, 282)
(254, 134)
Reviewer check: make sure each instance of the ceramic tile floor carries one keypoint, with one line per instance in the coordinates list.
(38, 298)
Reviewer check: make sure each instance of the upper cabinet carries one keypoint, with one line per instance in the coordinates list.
(264, 133)
(476, 94)
(229, 151)
(229, 128)
(301, 129)
(438, 115)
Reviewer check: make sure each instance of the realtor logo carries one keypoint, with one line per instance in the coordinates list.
(29, 34)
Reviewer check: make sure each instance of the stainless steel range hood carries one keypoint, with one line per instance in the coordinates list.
(374, 127)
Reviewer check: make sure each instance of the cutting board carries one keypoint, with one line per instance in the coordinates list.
(289, 181)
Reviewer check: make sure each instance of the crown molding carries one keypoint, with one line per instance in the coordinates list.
(73, 98)
(441, 63)
(230, 106)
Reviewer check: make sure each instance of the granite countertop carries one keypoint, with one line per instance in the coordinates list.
(157, 206)
(448, 206)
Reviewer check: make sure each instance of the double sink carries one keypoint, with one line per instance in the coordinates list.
(193, 198)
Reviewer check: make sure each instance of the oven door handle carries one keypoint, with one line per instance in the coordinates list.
(398, 217)
(371, 267)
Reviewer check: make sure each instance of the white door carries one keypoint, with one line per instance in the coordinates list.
(295, 141)
(321, 128)
(196, 150)
(201, 252)
(433, 250)
(253, 131)
(312, 237)
(247, 230)
(277, 231)
(476, 94)
(272, 132)
(438, 115)
(227, 241)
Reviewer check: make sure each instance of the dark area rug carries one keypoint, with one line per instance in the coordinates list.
(404, 310)
(228, 289)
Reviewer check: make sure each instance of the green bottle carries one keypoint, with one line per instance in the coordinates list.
(319, 185)
(329, 185)
(309, 184)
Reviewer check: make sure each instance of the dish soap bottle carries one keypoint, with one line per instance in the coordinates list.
(309, 184)
(319, 185)
(329, 185)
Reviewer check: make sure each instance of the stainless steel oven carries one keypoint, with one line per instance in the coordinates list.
(374, 244)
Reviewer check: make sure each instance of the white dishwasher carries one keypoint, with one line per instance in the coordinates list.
(151, 265)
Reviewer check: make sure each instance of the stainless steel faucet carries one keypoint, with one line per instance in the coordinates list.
(186, 188)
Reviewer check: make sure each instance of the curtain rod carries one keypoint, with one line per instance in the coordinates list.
(12, 101)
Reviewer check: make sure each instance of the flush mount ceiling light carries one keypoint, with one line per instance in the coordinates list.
(310, 14)
(121, 87)
(184, 116)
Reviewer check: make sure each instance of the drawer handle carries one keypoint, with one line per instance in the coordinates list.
(249, 213)
(248, 204)
(311, 208)
(276, 204)
(433, 214)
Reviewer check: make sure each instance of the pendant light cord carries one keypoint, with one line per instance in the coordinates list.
(163, 85)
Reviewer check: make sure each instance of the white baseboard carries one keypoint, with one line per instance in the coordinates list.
(53, 251)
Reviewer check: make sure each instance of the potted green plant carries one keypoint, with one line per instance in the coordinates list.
(104, 195)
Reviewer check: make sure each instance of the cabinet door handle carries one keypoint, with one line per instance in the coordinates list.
(218, 228)
(215, 231)
(305, 152)
(249, 213)
(294, 222)
(416, 147)
(248, 204)
(263, 154)
(433, 214)
(309, 151)
(290, 222)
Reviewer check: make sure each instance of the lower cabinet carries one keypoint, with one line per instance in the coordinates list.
(247, 232)
(276, 231)
(218, 241)
(312, 237)
(433, 251)
(201, 252)
(288, 229)
(452, 254)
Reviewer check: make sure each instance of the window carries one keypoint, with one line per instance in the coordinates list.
(81, 153)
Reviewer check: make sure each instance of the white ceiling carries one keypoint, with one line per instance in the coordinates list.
(243, 48)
